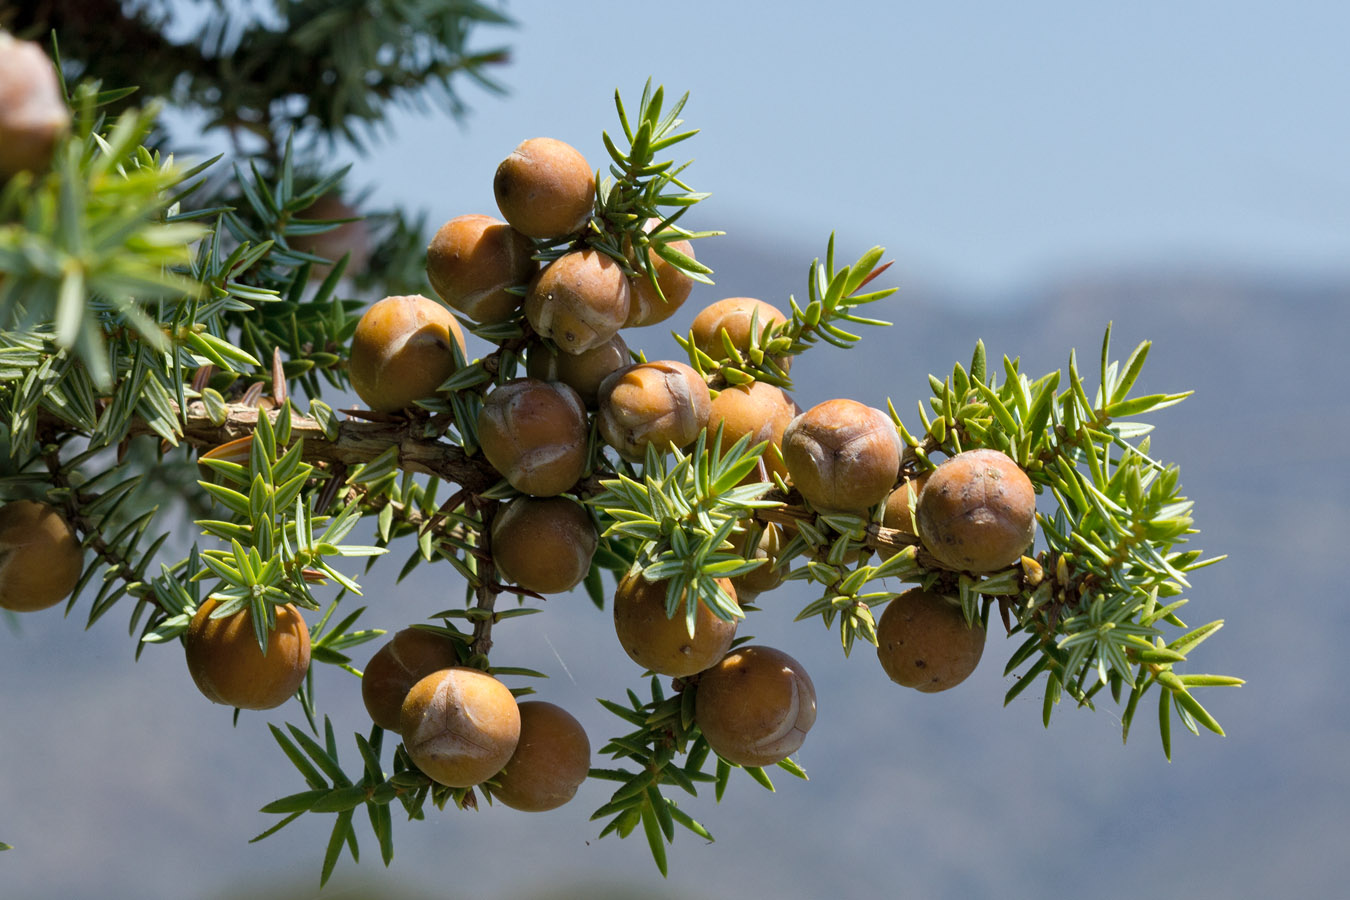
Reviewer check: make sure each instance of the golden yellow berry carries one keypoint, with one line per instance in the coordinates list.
(534, 433)
(648, 307)
(459, 726)
(662, 643)
(551, 760)
(405, 659)
(543, 544)
(843, 456)
(227, 665)
(40, 556)
(923, 642)
(977, 513)
(545, 188)
(759, 409)
(580, 300)
(664, 404)
(402, 351)
(472, 262)
(741, 318)
(755, 706)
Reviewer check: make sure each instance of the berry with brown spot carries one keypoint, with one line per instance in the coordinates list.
(535, 434)
(977, 513)
(663, 404)
(923, 642)
(543, 544)
(661, 643)
(843, 456)
(545, 188)
(755, 706)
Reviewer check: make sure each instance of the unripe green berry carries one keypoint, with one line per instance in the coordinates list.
(923, 642)
(977, 512)
(545, 189)
(473, 260)
(535, 434)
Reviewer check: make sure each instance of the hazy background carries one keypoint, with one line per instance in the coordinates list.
(1036, 170)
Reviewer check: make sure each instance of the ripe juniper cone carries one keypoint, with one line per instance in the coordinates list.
(923, 642)
(402, 351)
(534, 433)
(545, 188)
(551, 760)
(650, 307)
(405, 659)
(977, 512)
(543, 544)
(579, 301)
(583, 372)
(843, 456)
(742, 319)
(33, 114)
(662, 404)
(40, 556)
(459, 726)
(759, 409)
(661, 643)
(472, 263)
(755, 706)
(229, 667)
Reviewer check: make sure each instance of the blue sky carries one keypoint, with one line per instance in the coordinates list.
(985, 144)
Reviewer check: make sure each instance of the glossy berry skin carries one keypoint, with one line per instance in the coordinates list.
(755, 706)
(459, 726)
(33, 114)
(405, 659)
(664, 404)
(579, 301)
(534, 433)
(923, 642)
(977, 513)
(40, 556)
(843, 456)
(401, 351)
(551, 760)
(583, 372)
(742, 318)
(759, 409)
(545, 188)
(543, 544)
(648, 306)
(661, 643)
(473, 260)
(228, 667)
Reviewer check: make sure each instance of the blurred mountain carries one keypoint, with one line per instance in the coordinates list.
(122, 782)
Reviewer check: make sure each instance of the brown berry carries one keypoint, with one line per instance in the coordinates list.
(402, 351)
(473, 261)
(350, 239)
(227, 665)
(755, 706)
(543, 544)
(900, 506)
(649, 307)
(580, 300)
(923, 642)
(40, 557)
(459, 726)
(759, 409)
(742, 319)
(843, 456)
(661, 643)
(534, 433)
(977, 513)
(663, 404)
(767, 575)
(405, 659)
(33, 114)
(583, 372)
(545, 188)
(551, 760)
